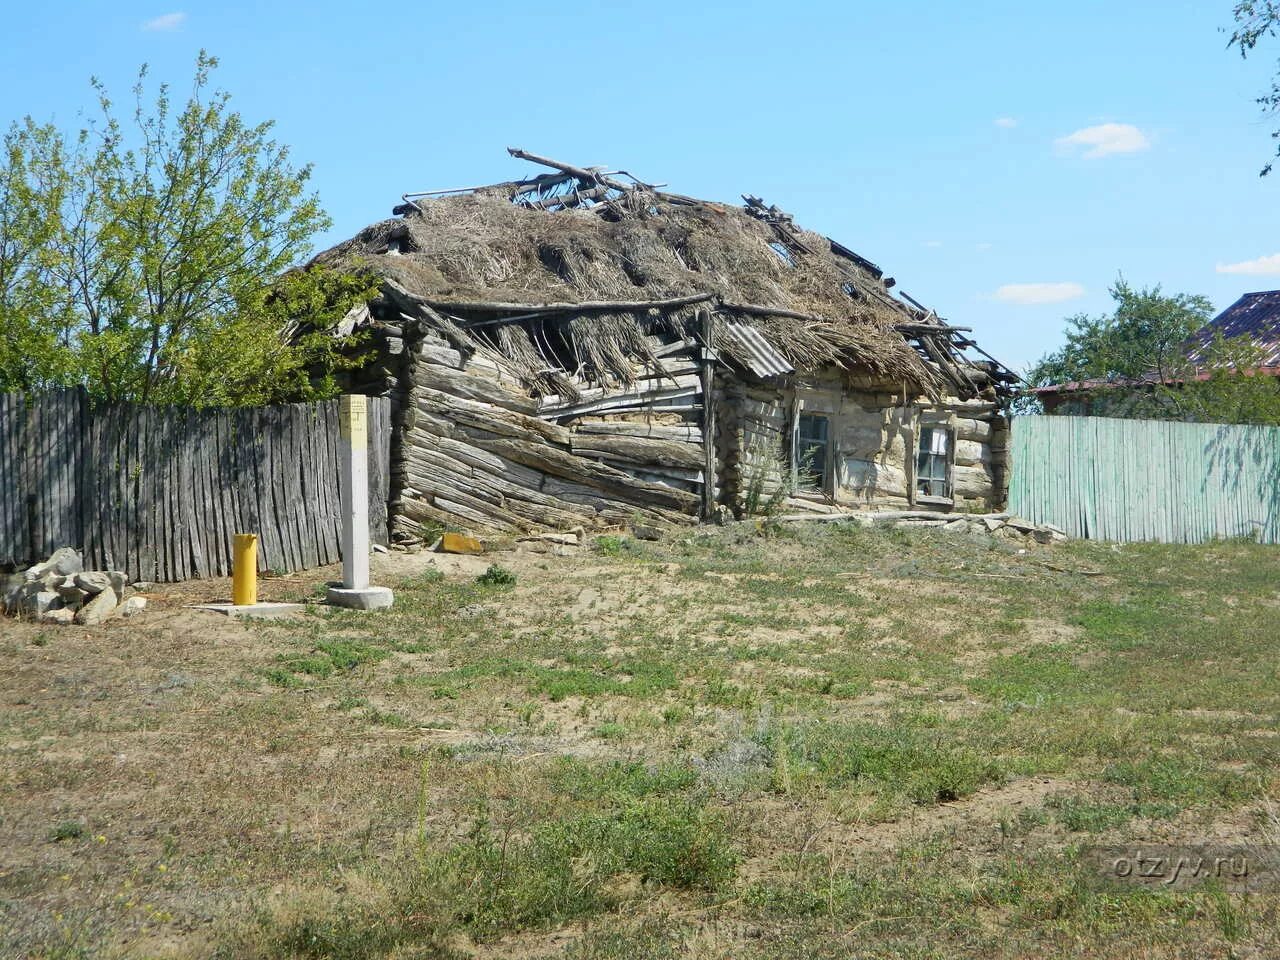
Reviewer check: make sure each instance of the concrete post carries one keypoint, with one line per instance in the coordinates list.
(353, 452)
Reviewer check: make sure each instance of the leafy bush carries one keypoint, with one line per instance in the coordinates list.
(496, 576)
(67, 830)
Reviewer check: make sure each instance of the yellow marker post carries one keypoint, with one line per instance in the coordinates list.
(244, 570)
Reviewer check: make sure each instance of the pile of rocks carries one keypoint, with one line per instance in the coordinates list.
(60, 590)
(992, 524)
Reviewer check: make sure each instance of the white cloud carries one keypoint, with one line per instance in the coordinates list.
(1030, 294)
(984, 246)
(1007, 122)
(1104, 140)
(934, 244)
(165, 23)
(1262, 267)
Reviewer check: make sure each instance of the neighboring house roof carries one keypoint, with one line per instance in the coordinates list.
(1254, 315)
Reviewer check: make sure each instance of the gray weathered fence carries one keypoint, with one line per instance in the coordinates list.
(159, 491)
(1110, 479)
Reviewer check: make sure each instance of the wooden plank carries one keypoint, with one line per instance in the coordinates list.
(194, 445)
(300, 428)
(277, 557)
(209, 502)
(326, 541)
(304, 437)
(12, 489)
(1136, 480)
(381, 489)
(223, 480)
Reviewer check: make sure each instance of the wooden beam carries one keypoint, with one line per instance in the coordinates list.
(708, 413)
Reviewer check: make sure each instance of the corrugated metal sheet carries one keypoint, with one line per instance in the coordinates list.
(1255, 315)
(1127, 480)
(752, 349)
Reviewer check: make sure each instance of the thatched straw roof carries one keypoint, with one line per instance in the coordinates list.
(491, 260)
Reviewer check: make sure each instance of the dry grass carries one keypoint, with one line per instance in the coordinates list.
(748, 743)
(480, 246)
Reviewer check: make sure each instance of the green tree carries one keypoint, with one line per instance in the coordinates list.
(1139, 355)
(1256, 19)
(149, 262)
(1147, 331)
(36, 325)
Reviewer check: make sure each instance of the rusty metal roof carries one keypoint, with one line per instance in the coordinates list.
(751, 348)
(1255, 315)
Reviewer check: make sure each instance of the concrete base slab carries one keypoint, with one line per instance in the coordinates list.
(260, 611)
(364, 598)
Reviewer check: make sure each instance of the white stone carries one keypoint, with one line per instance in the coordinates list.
(133, 605)
(64, 561)
(62, 615)
(101, 607)
(37, 604)
(93, 581)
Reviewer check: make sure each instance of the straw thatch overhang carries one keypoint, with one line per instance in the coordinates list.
(582, 275)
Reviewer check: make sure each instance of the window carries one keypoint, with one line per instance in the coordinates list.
(811, 450)
(933, 463)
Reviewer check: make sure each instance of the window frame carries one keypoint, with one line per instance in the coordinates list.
(923, 429)
(797, 440)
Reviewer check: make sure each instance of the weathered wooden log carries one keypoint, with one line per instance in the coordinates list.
(481, 389)
(688, 480)
(619, 510)
(420, 509)
(509, 504)
(490, 463)
(973, 481)
(438, 354)
(485, 417)
(458, 462)
(618, 485)
(970, 429)
(686, 433)
(642, 389)
(668, 398)
(527, 310)
(638, 450)
(972, 452)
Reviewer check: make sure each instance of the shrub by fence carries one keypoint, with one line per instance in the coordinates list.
(159, 491)
(1111, 479)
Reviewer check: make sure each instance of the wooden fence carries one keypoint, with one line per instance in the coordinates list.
(159, 491)
(1110, 479)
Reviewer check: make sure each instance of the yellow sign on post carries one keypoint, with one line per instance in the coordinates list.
(353, 420)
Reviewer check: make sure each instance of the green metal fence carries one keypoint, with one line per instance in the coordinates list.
(1124, 480)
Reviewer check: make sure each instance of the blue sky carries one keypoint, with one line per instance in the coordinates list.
(1004, 161)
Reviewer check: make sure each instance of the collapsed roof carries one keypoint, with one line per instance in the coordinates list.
(569, 274)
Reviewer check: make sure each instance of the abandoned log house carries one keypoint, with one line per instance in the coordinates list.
(584, 348)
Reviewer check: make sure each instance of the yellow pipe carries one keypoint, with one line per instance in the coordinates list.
(244, 570)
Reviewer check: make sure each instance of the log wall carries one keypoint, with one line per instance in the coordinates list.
(476, 450)
(873, 440)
